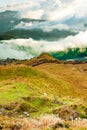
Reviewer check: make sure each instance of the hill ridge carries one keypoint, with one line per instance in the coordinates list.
(41, 59)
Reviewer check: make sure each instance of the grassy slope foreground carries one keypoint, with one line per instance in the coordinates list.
(40, 86)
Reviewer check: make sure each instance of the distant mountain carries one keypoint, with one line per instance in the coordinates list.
(9, 19)
(79, 54)
(36, 34)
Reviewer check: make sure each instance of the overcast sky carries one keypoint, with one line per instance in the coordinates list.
(44, 9)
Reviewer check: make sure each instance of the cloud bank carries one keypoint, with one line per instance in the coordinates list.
(46, 26)
(28, 48)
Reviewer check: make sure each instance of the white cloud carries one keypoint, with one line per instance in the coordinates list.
(80, 8)
(33, 14)
(7, 50)
(24, 25)
(19, 6)
(55, 26)
(32, 47)
(46, 26)
(59, 10)
(50, 10)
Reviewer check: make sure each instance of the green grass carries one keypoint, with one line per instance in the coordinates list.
(25, 78)
(28, 85)
(13, 92)
(14, 72)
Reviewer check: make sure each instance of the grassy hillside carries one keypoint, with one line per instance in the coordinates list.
(46, 88)
(51, 78)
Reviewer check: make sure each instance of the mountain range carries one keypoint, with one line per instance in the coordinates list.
(50, 36)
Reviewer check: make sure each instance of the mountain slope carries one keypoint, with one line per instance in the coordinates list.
(12, 19)
(36, 33)
(52, 76)
(42, 85)
(79, 54)
(7, 18)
